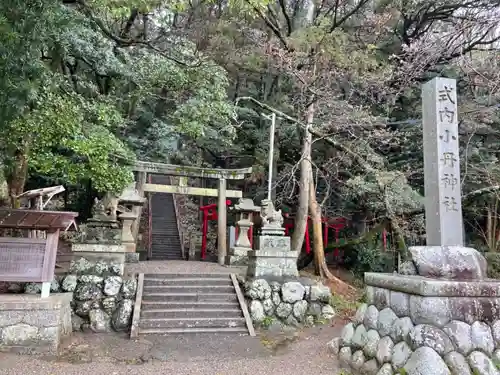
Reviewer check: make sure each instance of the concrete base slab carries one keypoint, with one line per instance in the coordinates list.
(30, 324)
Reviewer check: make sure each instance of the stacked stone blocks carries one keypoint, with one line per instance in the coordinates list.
(290, 303)
(445, 325)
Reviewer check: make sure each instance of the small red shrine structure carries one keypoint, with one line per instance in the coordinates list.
(209, 213)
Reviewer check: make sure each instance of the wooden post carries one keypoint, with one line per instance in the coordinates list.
(221, 221)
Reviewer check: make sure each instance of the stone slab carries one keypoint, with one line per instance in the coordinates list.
(240, 251)
(129, 247)
(236, 260)
(97, 248)
(423, 286)
(31, 325)
(272, 243)
(277, 267)
(33, 301)
(273, 254)
(108, 258)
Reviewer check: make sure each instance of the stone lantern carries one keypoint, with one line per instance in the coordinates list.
(238, 254)
(130, 203)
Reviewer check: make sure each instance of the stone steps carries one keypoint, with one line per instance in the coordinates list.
(201, 305)
(191, 297)
(151, 281)
(165, 234)
(190, 322)
(186, 303)
(193, 312)
(166, 244)
(189, 289)
(177, 331)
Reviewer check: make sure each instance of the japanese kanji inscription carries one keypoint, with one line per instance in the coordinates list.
(443, 209)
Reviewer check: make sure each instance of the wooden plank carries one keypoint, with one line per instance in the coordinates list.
(189, 190)
(243, 305)
(136, 315)
(187, 171)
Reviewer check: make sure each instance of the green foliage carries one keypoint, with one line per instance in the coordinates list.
(368, 257)
(71, 139)
(76, 105)
(342, 306)
(382, 189)
(493, 260)
(266, 322)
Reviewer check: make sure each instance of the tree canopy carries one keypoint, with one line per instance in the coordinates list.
(90, 85)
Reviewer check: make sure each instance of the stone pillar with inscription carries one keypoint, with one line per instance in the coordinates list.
(272, 256)
(443, 206)
(440, 314)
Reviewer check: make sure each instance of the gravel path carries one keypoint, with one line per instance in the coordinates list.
(301, 354)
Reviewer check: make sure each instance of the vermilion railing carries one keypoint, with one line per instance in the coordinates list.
(150, 224)
(336, 224)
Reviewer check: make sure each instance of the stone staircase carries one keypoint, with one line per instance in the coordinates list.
(165, 241)
(185, 303)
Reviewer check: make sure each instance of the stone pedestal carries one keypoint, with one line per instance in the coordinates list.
(127, 238)
(105, 253)
(32, 325)
(97, 231)
(272, 257)
(427, 325)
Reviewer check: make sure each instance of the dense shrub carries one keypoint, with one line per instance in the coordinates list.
(367, 257)
(493, 260)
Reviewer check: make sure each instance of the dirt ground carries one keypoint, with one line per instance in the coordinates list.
(297, 353)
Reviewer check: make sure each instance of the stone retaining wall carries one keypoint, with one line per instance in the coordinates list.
(290, 303)
(435, 335)
(103, 300)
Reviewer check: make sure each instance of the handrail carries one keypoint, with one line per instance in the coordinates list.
(179, 230)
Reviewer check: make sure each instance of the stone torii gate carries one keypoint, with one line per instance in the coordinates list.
(222, 175)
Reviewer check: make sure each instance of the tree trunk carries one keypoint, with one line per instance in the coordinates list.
(16, 178)
(315, 214)
(305, 162)
(304, 185)
(320, 266)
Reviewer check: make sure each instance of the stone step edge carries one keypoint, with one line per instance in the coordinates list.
(187, 286)
(191, 303)
(201, 279)
(153, 331)
(190, 275)
(192, 309)
(189, 294)
(191, 319)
